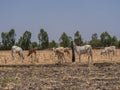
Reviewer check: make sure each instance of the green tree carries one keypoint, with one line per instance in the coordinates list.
(11, 36)
(43, 39)
(34, 44)
(95, 42)
(25, 40)
(1, 45)
(52, 44)
(4, 37)
(105, 39)
(78, 39)
(20, 41)
(114, 41)
(94, 37)
(118, 44)
(65, 40)
(8, 39)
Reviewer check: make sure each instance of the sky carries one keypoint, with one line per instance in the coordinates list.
(58, 16)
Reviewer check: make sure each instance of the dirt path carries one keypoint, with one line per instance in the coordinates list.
(99, 76)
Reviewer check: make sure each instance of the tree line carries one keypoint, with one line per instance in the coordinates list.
(9, 39)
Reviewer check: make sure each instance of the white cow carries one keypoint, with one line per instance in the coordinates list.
(108, 50)
(103, 52)
(86, 49)
(18, 50)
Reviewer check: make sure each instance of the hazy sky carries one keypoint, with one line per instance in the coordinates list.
(58, 16)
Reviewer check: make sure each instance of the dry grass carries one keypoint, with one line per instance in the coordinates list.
(103, 74)
(47, 57)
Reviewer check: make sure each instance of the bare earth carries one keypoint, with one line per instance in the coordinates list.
(103, 74)
(68, 76)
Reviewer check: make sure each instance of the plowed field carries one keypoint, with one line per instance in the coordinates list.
(103, 74)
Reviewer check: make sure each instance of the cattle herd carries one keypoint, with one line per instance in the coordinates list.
(61, 53)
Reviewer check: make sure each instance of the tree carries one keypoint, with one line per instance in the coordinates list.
(94, 37)
(1, 46)
(43, 39)
(8, 39)
(118, 44)
(34, 44)
(95, 42)
(105, 39)
(25, 40)
(78, 39)
(11, 37)
(65, 40)
(52, 44)
(114, 41)
(4, 36)
(20, 41)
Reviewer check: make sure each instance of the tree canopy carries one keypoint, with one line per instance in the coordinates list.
(65, 40)
(8, 40)
(43, 39)
(78, 38)
(105, 39)
(25, 40)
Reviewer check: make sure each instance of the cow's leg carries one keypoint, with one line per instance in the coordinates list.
(88, 59)
(64, 58)
(113, 53)
(21, 56)
(79, 58)
(91, 57)
(12, 54)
